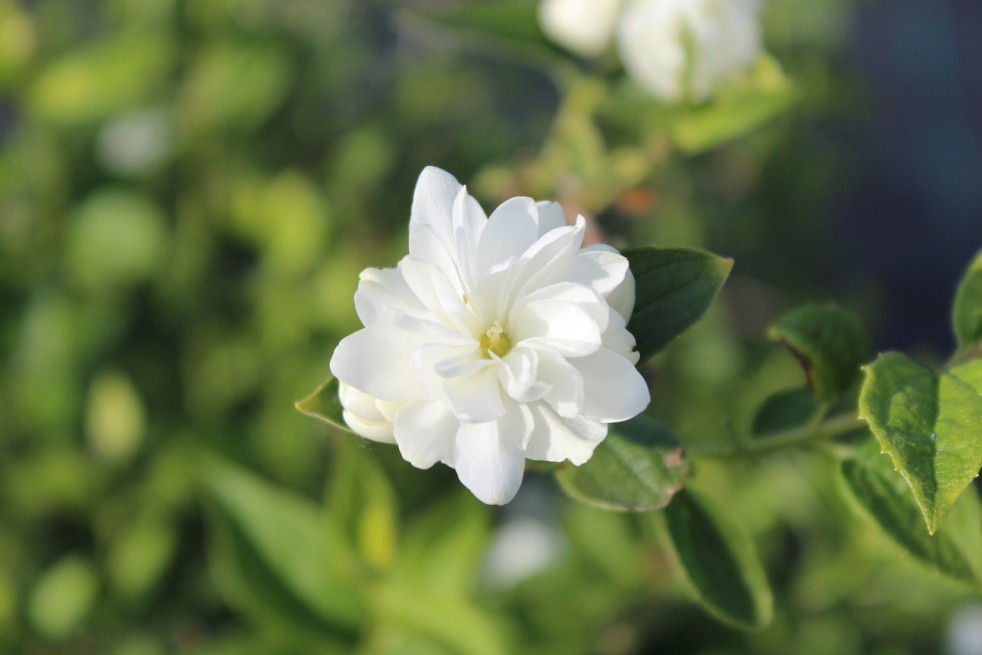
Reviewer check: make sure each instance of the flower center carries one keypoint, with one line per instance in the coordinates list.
(495, 341)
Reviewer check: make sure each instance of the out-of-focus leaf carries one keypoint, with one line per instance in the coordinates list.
(743, 105)
(881, 493)
(325, 404)
(784, 410)
(115, 419)
(420, 621)
(675, 287)
(509, 27)
(275, 554)
(720, 562)
(62, 598)
(117, 237)
(444, 548)
(967, 313)
(216, 96)
(829, 343)
(929, 425)
(363, 504)
(637, 468)
(105, 77)
(139, 555)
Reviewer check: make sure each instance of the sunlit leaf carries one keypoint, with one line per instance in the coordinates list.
(884, 497)
(929, 425)
(637, 468)
(719, 560)
(325, 404)
(62, 598)
(675, 287)
(967, 316)
(274, 554)
(829, 343)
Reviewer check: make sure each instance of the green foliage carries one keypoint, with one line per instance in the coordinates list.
(828, 342)
(719, 560)
(277, 555)
(737, 108)
(881, 493)
(637, 468)
(325, 405)
(929, 425)
(967, 317)
(63, 597)
(675, 287)
(785, 410)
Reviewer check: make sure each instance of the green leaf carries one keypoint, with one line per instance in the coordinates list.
(829, 343)
(325, 404)
(637, 468)
(719, 560)
(363, 504)
(737, 108)
(509, 27)
(274, 554)
(675, 287)
(784, 410)
(882, 495)
(63, 597)
(931, 426)
(967, 315)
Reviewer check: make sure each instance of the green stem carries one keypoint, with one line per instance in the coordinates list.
(832, 427)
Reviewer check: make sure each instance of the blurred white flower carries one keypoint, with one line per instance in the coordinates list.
(676, 49)
(495, 340)
(584, 26)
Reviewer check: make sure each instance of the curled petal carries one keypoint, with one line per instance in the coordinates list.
(475, 398)
(489, 458)
(363, 415)
(554, 438)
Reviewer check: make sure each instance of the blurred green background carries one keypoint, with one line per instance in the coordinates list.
(188, 191)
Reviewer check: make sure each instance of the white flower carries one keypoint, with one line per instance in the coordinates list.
(675, 49)
(495, 340)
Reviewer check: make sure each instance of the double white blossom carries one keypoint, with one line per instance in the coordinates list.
(675, 49)
(495, 340)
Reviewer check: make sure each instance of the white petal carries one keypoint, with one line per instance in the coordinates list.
(363, 415)
(378, 361)
(489, 458)
(518, 373)
(551, 216)
(426, 245)
(565, 394)
(468, 225)
(433, 202)
(382, 293)
(427, 360)
(510, 231)
(618, 339)
(564, 327)
(599, 267)
(621, 298)
(555, 438)
(580, 295)
(613, 388)
(583, 26)
(425, 433)
(440, 295)
(475, 398)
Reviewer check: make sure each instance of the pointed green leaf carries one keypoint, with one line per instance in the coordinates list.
(967, 316)
(931, 426)
(884, 497)
(637, 468)
(784, 410)
(829, 343)
(325, 404)
(675, 287)
(274, 554)
(718, 559)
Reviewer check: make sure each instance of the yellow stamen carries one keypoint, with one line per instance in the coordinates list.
(495, 341)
